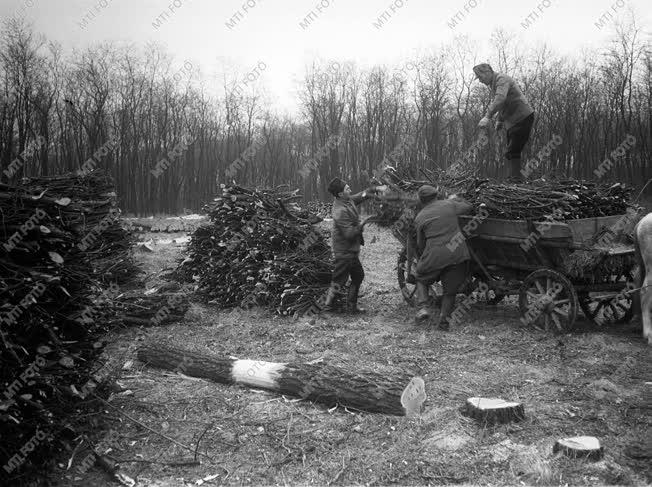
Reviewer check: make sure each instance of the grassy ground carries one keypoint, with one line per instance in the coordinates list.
(591, 382)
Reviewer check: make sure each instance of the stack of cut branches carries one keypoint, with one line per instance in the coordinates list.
(136, 308)
(54, 306)
(402, 186)
(258, 251)
(561, 199)
(88, 206)
(46, 282)
(567, 199)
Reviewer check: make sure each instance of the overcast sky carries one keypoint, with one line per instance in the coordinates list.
(271, 32)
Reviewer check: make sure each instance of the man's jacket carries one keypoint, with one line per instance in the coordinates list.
(509, 101)
(346, 236)
(438, 233)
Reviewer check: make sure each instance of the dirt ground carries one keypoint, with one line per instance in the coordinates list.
(590, 382)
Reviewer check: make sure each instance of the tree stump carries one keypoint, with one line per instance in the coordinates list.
(580, 447)
(493, 411)
(320, 383)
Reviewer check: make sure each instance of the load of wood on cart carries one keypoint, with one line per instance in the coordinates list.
(559, 246)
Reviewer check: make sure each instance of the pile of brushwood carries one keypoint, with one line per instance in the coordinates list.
(60, 244)
(105, 241)
(400, 198)
(539, 199)
(260, 249)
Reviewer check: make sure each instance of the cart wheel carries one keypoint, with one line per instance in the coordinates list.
(408, 289)
(548, 301)
(605, 309)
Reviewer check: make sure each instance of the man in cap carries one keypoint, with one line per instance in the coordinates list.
(441, 256)
(346, 239)
(514, 113)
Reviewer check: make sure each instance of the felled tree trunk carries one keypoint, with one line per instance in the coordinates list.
(321, 383)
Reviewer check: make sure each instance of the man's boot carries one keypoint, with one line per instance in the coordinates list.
(352, 301)
(447, 304)
(422, 293)
(516, 176)
(331, 297)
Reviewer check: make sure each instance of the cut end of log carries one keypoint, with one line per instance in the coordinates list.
(493, 410)
(580, 447)
(413, 397)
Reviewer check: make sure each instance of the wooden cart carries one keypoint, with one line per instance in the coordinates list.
(531, 260)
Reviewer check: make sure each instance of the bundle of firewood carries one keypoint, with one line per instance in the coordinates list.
(87, 205)
(136, 308)
(568, 199)
(46, 280)
(260, 249)
(62, 258)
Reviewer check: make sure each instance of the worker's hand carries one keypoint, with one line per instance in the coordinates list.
(452, 196)
(499, 125)
(484, 122)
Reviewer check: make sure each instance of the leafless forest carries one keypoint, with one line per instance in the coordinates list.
(157, 126)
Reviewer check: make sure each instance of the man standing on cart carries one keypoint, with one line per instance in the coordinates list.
(441, 256)
(514, 113)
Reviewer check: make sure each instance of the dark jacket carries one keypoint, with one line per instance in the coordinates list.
(346, 236)
(438, 231)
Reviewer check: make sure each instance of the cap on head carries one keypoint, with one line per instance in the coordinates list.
(427, 193)
(336, 186)
(483, 68)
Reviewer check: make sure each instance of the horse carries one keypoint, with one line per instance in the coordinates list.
(643, 245)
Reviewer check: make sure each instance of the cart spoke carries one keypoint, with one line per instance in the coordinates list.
(561, 312)
(561, 301)
(621, 306)
(555, 318)
(533, 295)
(539, 287)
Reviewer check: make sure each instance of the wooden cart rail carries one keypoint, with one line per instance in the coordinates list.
(571, 234)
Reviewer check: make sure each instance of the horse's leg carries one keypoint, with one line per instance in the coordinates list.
(643, 234)
(639, 277)
(646, 306)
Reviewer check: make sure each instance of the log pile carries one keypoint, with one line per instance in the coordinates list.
(258, 250)
(54, 306)
(45, 284)
(88, 207)
(136, 308)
